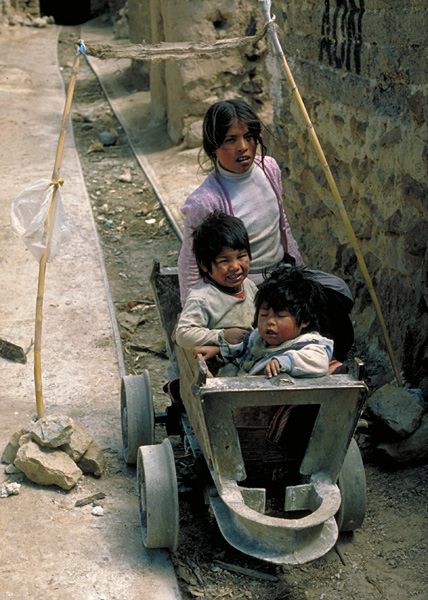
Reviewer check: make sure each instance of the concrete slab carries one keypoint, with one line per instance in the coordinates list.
(50, 549)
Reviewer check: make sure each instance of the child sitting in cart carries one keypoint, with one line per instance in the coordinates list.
(288, 314)
(219, 309)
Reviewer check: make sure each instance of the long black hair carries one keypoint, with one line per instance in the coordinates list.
(218, 119)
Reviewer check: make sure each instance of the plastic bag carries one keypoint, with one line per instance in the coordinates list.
(29, 213)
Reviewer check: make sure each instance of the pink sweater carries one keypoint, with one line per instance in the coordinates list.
(211, 195)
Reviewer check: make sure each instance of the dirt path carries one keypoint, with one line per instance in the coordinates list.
(386, 558)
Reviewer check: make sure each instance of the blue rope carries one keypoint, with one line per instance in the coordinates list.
(81, 48)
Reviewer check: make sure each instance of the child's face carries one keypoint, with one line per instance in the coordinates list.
(277, 327)
(230, 267)
(237, 152)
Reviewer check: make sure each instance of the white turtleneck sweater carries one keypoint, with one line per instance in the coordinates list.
(254, 202)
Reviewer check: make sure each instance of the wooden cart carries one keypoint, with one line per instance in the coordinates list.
(321, 488)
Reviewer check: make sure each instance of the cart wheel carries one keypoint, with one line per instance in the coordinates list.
(352, 486)
(137, 414)
(157, 487)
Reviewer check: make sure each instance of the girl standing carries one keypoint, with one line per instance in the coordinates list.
(242, 184)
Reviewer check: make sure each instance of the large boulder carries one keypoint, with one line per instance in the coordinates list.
(47, 466)
(397, 410)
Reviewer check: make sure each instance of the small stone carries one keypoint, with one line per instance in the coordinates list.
(96, 147)
(9, 489)
(80, 441)
(39, 22)
(126, 177)
(193, 135)
(98, 511)
(391, 137)
(108, 138)
(93, 461)
(12, 446)
(11, 470)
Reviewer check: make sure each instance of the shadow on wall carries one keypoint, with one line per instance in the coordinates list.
(78, 11)
(66, 13)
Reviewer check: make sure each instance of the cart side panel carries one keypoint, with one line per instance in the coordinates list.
(167, 296)
(332, 433)
(190, 382)
(223, 436)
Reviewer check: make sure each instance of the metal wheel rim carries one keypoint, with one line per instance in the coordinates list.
(137, 414)
(352, 486)
(158, 496)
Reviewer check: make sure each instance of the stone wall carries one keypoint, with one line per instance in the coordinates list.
(361, 68)
(9, 7)
(182, 91)
(31, 7)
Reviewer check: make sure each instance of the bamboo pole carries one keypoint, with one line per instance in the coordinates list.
(56, 182)
(331, 182)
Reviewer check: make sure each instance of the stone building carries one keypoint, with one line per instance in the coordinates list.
(361, 68)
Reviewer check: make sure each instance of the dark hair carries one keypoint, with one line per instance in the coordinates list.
(216, 232)
(293, 289)
(218, 119)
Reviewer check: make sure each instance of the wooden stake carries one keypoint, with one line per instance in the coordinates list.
(333, 187)
(48, 234)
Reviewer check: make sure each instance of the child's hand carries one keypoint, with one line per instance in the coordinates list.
(207, 352)
(234, 335)
(273, 368)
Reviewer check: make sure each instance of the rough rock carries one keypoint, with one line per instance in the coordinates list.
(40, 22)
(108, 138)
(98, 511)
(410, 450)
(48, 452)
(11, 470)
(12, 446)
(399, 410)
(125, 177)
(9, 489)
(52, 432)
(129, 321)
(80, 441)
(47, 466)
(192, 135)
(93, 461)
